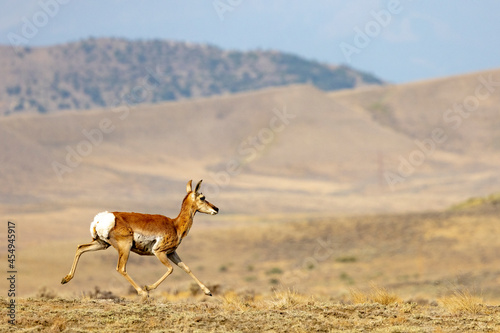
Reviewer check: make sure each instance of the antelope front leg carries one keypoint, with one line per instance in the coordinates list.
(177, 260)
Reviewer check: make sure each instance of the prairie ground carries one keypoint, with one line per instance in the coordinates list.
(282, 312)
(419, 272)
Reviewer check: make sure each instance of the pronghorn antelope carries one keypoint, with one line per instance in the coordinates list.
(146, 234)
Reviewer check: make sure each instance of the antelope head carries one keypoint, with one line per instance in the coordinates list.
(199, 202)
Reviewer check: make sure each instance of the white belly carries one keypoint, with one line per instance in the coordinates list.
(144, 244)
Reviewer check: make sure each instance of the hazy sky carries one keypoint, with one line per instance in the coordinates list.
(397, 40)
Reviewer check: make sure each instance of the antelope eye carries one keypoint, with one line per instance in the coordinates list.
(202, 198)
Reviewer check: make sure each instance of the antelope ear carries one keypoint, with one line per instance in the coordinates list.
(189, 186)
(198, 186)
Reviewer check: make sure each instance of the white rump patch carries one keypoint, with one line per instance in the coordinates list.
(102, 225)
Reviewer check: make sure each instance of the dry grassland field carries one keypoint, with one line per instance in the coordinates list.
(369, 210)
(432, 272)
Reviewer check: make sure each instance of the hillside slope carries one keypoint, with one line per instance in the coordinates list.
(258, 142)
(464, 107)
(289, 149)
(109, 72)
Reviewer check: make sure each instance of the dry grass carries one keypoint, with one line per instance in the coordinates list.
(463, 301)
(478, 202)
(288, 299)
(375, 295)
(245, 301)
(284, 311)
(232, 301)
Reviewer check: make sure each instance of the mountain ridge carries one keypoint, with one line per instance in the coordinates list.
(108, 71)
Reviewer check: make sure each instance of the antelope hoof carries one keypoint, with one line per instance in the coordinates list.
(66, 279)
(143, 293)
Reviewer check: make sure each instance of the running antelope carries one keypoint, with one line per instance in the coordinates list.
(146, 234)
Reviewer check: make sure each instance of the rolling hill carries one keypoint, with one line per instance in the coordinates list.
(465, 107)
(106, 72)
(293, 149)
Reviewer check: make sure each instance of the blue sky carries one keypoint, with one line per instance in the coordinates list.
(397, 40)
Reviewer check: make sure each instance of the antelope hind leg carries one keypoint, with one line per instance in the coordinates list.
(95, 245)
(123, 253)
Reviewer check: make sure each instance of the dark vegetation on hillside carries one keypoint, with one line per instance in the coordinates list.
(109, 72)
